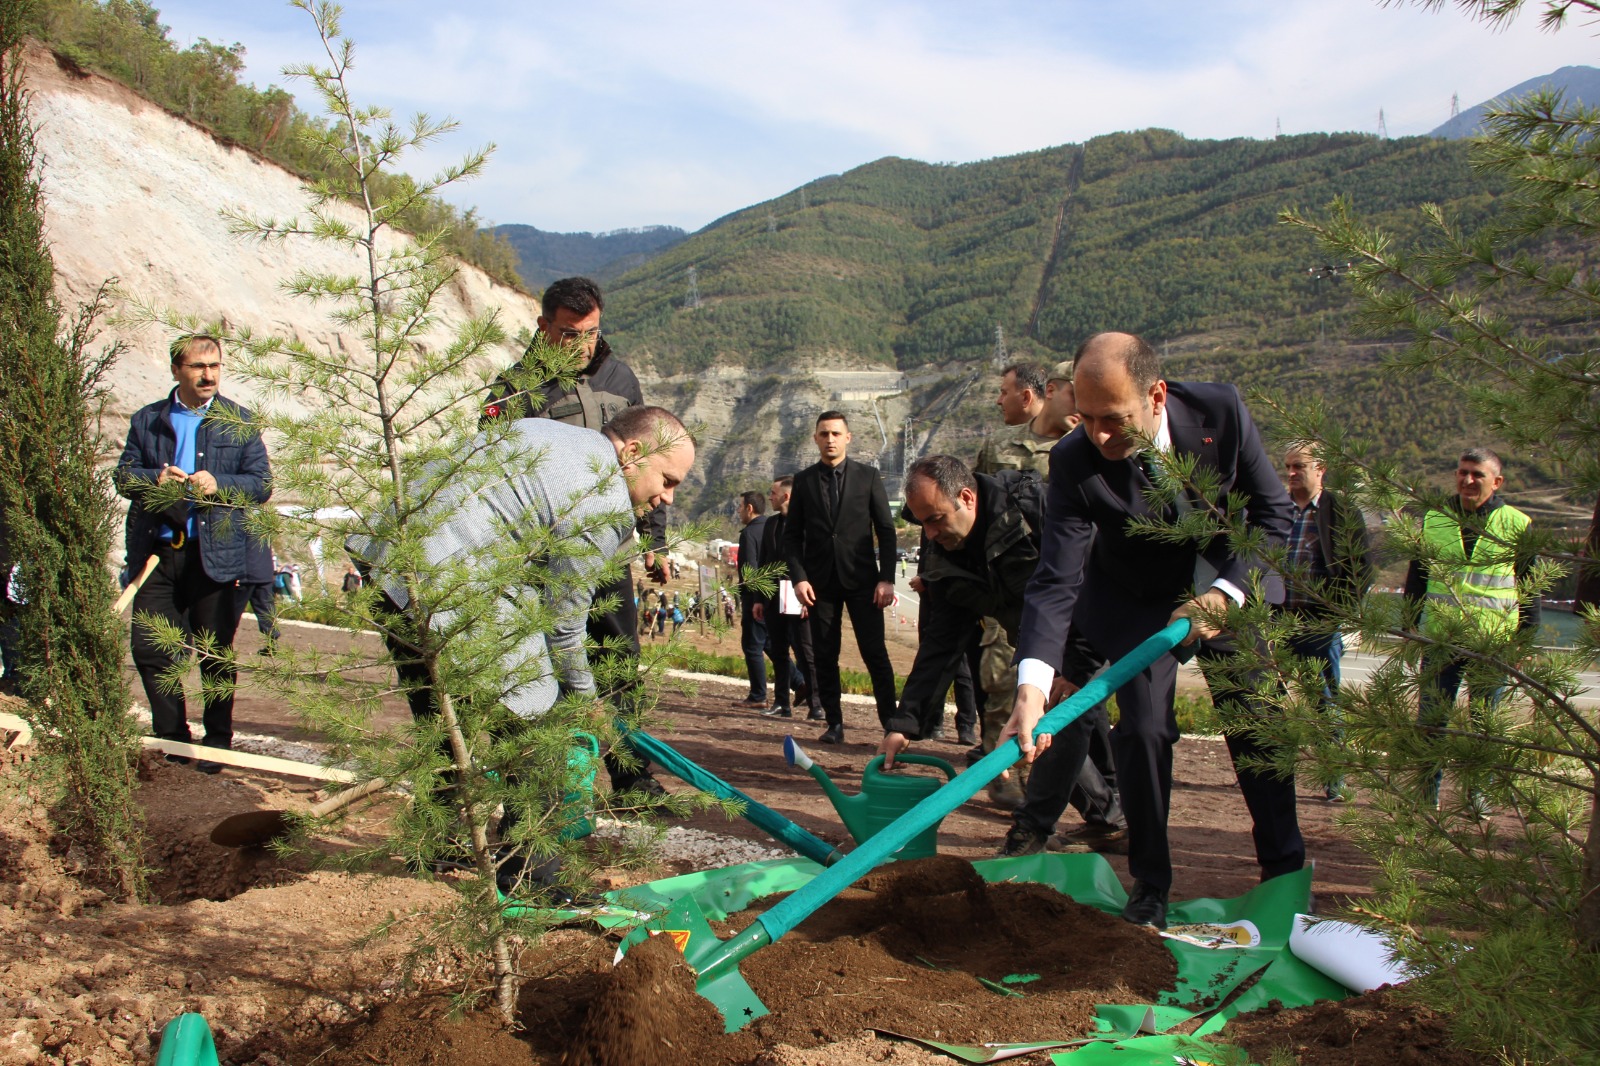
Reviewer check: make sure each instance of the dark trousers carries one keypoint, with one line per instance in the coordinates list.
(788, 633)
(753, 641)
(179, 591)
(262, 599)
(1327, 649)
(966, 690)
(1078, 769)
(827, 633)
(616, 635)
(1440, 681)
(1142, 743)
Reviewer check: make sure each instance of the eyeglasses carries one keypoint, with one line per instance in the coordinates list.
(567, 336)
(201, 366)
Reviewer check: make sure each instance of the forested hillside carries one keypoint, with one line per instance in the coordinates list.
(901, 264)
(907, 263)
(543, 256)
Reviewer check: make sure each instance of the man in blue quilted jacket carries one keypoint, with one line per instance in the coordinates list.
(193, 436)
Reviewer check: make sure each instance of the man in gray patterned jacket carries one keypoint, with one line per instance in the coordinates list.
(585, 490)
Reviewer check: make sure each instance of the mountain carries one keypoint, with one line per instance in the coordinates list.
(1581, 84)
(888, 292)
(543, 256)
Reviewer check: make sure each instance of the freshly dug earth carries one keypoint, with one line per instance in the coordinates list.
(271, 951)
(1376, 1029)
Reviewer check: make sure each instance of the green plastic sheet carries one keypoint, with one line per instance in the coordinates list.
(1206, 987)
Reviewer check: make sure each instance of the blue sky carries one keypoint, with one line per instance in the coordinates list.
(617, 113)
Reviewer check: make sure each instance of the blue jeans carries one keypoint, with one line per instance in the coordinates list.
(753, 641)
(1441, 680)
(1328, 648)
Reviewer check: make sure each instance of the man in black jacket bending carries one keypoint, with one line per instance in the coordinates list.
(981, 545)
(604, 385)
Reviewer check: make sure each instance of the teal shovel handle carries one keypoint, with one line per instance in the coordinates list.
(802, 903)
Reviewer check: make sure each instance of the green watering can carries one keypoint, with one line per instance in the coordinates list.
(883, 798)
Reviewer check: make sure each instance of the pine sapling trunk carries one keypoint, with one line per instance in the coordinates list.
(505, 971)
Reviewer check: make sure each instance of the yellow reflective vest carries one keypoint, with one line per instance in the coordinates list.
(1480, 588)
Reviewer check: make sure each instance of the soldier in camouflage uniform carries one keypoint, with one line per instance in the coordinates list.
(1043, 401)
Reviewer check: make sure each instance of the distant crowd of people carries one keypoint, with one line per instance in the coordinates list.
(1032, 571)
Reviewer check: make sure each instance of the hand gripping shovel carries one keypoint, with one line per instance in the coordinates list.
(720, 967)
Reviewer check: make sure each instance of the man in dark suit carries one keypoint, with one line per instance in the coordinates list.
(1329, 566)
(1120, 585)
(752, 628)
(786, 632)
(838, 509)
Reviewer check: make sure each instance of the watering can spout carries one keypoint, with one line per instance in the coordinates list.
(795, 755)
(882, 799)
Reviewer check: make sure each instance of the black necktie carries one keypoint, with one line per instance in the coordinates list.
(832, 483)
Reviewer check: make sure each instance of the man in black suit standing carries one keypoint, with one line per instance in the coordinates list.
(1121, 586)
(838, 508)
(752, 627)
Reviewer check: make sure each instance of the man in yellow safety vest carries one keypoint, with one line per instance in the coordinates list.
(1467, 586)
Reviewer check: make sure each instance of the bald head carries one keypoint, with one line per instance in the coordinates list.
(1116, 381)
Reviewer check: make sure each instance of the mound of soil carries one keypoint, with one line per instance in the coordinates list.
(1377, 1029)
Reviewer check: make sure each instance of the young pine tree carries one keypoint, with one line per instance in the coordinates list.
(56, 515)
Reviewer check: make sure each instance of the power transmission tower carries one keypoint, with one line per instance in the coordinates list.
(692, 302)
(772, 223)
(1000, 356)
(1383, 127)
(1455, 105)
(1280, 129)
(802, 197)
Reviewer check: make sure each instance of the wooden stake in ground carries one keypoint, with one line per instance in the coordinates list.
(253, 829)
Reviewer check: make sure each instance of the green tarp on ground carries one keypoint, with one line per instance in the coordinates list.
(1207, 976)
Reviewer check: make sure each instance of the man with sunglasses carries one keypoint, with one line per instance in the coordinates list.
(204, 441)
(603, 386)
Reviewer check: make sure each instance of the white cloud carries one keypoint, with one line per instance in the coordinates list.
(627, 112)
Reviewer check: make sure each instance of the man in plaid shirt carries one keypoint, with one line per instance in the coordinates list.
(1329, 565)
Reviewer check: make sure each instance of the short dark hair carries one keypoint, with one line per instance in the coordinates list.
(756, 501)
(578, 295)
(785, 480)
(1140, 360)
(948, 474)
(646, 423)
(1485, 456)
(829, 416)
(182, 345)
(1031, 376)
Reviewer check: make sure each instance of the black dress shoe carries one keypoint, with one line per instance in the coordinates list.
(777, 712)
(751, 701)
(834, 735)
(1147, 906)
(206, 766)
(966, 736)
(802, 692)
(817, 715)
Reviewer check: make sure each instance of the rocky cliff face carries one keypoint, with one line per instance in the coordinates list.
(135, 193)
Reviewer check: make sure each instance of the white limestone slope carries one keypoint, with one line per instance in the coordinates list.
(136, 194)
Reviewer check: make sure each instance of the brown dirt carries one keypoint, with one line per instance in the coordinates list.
(1377, 1029)
(271, 951)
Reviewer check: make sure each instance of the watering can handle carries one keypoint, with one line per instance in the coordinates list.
(875, 766)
